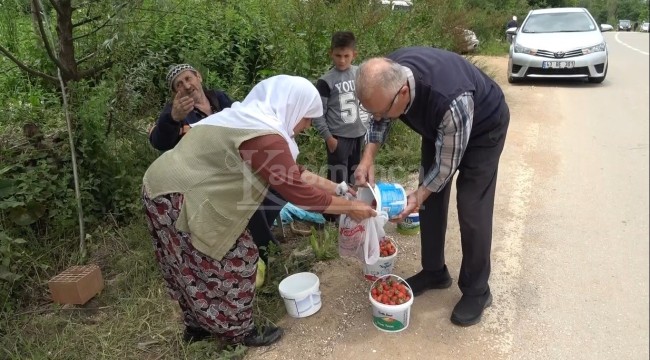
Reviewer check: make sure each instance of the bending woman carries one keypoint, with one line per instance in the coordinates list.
(200, 195)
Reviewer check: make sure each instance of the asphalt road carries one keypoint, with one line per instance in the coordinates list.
(570, 249)
(577, 262)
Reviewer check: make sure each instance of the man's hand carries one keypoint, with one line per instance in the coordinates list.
(413, 202)
(411, 205)
(331, 143)
(181, 106)
(364, 174)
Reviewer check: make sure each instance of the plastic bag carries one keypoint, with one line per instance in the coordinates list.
(361, 240)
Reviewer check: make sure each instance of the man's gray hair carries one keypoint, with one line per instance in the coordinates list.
(379, 73)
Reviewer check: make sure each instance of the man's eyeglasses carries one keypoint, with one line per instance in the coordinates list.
(383, 114)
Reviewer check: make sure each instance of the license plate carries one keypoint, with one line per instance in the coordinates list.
(558, 64)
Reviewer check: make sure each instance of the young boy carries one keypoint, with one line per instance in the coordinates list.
(341, 125)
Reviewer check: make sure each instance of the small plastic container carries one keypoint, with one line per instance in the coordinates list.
(410, 225)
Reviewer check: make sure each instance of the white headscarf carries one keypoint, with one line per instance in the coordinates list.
(277, 103)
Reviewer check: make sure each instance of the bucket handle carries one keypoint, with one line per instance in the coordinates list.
(379, 205)
(397, 276)
(374, 194)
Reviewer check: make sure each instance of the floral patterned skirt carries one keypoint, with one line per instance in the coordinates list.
(215, 295)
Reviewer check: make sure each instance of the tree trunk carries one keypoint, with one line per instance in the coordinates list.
(60, 49)
(69, 70)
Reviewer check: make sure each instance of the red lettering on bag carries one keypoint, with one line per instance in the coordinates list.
(351, 231)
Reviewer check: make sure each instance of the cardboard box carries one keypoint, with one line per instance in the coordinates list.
(76, 285)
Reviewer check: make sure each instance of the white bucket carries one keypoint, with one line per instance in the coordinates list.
(383, 266)
(301, 294)
(391, 318)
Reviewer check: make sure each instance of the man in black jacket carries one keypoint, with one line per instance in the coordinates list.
(512, 23)
(463, 118)
(191, 102)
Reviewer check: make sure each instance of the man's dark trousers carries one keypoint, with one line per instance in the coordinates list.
(475, 186)
(342, 162)
(262, 219)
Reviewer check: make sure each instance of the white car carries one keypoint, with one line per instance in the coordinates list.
(558, 43)
(644, 26)
(606, 27)
(465, 40)
(471, 40)
(398, 4)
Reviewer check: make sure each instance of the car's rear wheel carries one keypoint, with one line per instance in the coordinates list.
(598, 80)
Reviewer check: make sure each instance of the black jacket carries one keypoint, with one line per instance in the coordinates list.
(167, 132)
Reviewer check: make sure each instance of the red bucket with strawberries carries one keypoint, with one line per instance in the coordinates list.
(391, 298)
(386, 262)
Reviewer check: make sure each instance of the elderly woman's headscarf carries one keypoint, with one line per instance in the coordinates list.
(277, 103)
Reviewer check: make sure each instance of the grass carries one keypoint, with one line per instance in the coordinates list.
(494, 47)
(133, 317)
(324, 243)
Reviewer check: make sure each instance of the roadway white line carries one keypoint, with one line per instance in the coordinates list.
(631, 47)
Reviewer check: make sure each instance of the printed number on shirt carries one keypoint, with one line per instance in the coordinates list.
(365, 118)
(349, 108)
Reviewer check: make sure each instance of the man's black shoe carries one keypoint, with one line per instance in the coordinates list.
(427, 280)
(193, 334)
(469, 309)
(265, 337)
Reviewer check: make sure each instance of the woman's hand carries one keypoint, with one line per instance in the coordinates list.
(359, 211)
